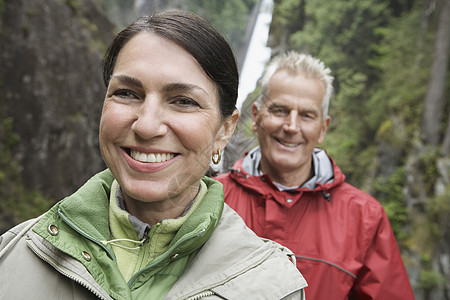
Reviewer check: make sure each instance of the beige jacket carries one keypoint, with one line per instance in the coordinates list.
(219, 271)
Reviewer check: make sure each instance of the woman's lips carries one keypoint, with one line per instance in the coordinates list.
(148, 162)
(150, 157)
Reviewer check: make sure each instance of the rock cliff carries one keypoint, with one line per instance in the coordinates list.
(52, 90)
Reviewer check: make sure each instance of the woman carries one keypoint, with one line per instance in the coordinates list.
(151, 226)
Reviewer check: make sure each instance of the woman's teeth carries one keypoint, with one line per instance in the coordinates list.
(150, 157)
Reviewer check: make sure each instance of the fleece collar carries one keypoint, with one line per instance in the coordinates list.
(322, 167)
(136, 243)
(86, 212)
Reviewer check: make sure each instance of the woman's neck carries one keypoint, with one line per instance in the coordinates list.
(154, 212)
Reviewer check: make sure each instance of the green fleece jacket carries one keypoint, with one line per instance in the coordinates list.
(82, 223)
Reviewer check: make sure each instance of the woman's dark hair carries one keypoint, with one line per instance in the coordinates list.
(198, 38)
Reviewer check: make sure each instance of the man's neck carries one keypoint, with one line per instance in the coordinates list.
(294, 178)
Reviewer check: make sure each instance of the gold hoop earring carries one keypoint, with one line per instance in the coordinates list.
(216, 157)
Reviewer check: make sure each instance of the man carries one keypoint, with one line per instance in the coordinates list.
(291, 192)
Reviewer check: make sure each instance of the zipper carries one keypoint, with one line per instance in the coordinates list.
(64, 271)
(201, 295)
(164, 256)
(81, 232)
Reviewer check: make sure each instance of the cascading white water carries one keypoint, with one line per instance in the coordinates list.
(257, 54)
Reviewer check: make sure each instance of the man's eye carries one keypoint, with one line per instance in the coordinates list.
(279, 111)
(309, 116)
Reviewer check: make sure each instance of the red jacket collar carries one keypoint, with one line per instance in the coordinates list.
(263, 184)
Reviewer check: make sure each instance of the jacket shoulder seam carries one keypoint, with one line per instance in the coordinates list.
(328, 263)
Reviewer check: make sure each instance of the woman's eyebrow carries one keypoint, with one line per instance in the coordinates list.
(168, 87)
(179, 87)
(128, 80)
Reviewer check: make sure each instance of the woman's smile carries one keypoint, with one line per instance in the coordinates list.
(150, 157)
(148, 162)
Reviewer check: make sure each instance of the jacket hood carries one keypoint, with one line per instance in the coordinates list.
(327, 173)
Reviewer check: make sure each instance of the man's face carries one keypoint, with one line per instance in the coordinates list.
(290, 124)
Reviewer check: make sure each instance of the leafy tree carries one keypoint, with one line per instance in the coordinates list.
(230, 17)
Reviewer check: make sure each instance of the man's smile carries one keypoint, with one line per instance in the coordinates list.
(291, 145)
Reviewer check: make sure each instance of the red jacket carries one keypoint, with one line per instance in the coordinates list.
(341, 236)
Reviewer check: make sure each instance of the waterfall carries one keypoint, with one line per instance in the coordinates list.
(256, 57)
(257, 53)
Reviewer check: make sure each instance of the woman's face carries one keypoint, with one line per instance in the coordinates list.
(160, 121)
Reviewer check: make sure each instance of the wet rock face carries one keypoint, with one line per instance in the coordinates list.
(51, 86)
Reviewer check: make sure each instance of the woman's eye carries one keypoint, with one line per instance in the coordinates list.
(126, 94)
(185, 102)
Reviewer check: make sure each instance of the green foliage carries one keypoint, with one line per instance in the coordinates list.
(91, 26)
(8, 137)
(438, 212)
(403, 61)
(340, 144)
(428, 168)
(73, 4)
(389, 190)
(430, 279)
(290, 13)
(429, 234)
(230, 17)
(96, 45)
(341, 33)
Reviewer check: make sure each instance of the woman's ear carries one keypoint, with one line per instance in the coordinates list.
(227, 129)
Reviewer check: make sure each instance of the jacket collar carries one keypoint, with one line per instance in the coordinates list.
(86, 212)
(326, 173)
(322, 167)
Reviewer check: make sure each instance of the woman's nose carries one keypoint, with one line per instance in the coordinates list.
(150, 120)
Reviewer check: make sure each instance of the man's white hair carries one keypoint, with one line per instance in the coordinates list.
(298, 63)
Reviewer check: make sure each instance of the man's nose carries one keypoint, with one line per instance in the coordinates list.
(292, 121)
